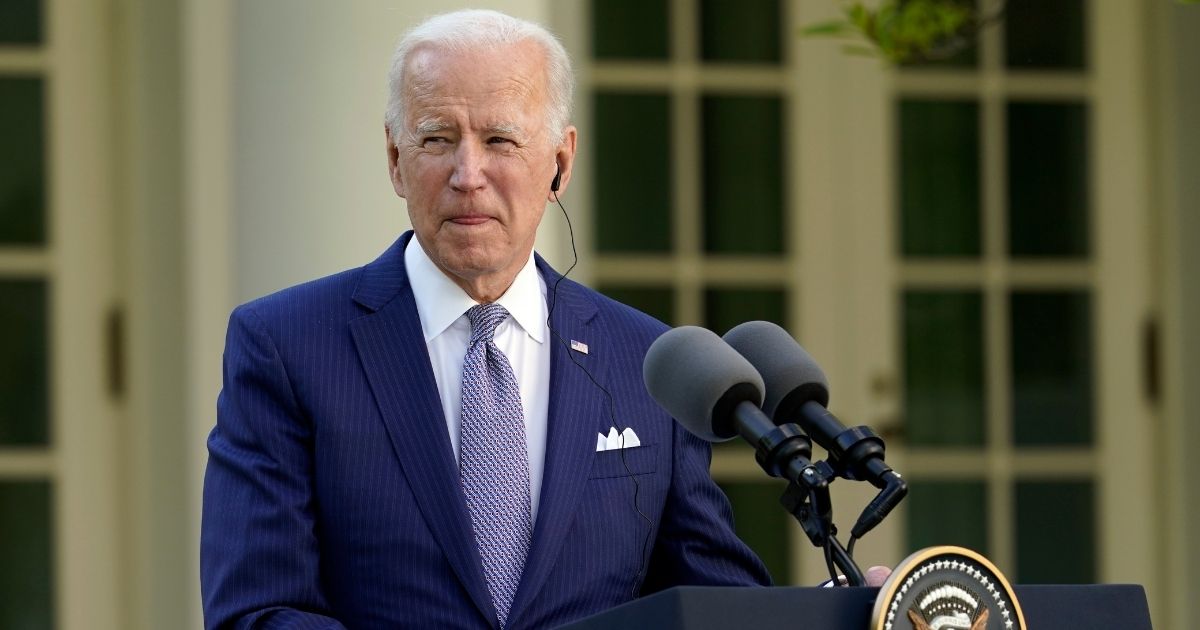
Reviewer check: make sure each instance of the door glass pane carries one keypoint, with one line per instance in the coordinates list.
(762, 523)
(1047, 179)
(1052, 368)
(630, 29)
(1056, 533)
(943, 368)
(947, 513)
(1045, 34)
(740, 30)
(726, 308)
(26, 580)
(21, 22)
(658, 302)
(939, 178)
(22, 168)
(743, 174)
(24, 393)
(633, 172)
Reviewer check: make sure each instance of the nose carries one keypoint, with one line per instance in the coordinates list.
(468, 168)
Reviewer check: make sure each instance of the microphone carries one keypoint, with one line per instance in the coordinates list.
(797, 391)
(715, 394)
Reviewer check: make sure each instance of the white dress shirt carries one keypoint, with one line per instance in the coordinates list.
(523, 338)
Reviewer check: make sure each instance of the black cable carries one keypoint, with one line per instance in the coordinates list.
(833, 574)
(850, 548)
(612, 411)
(828, 546)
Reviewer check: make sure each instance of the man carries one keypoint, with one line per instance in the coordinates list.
(422, 441)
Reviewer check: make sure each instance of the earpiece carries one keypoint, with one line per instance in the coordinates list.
(557, 178)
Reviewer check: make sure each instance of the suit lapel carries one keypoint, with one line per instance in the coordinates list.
(576, 409)
(394, 356)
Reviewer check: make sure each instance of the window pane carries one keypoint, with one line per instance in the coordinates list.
(726, 308)
(947, 513)
(943, 368)
(21, 22)
(939, 178)
(1047, 179)
(740, 30)
(654, 301)
(24, 394)
(26, 558)
(743, 174)
(633, 173)
(1052, 368)
(1056, 534)
(762, 523)
(630, 29)
(1045, 34)
(22, 172)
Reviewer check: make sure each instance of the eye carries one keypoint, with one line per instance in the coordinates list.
(499, 140)
(428, 140)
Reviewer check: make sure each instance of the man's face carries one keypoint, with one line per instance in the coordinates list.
(474, 159)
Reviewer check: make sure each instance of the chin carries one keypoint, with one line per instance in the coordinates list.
(468, 264)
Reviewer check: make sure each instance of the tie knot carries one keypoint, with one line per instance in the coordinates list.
(484, 320)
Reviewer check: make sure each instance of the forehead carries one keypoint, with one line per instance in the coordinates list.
(511, 77)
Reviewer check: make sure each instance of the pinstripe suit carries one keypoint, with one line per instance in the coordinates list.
(332, 498)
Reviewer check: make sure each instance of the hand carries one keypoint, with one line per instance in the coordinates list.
(877, 575)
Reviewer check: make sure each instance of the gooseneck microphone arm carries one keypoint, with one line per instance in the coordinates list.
(856, 453)
(784, 451)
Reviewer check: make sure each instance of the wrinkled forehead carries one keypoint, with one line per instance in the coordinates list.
(514, 74)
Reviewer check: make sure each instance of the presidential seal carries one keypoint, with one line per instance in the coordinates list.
(946, 588)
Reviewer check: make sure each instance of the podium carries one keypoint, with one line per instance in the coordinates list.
(1066, 607)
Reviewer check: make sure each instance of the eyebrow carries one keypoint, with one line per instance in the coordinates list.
(431, 126)
(505, 128)
(435, 126)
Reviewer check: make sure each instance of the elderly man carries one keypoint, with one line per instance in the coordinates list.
(423, 441)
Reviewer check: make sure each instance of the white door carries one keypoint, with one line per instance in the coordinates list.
(963, 246)
(58, 499)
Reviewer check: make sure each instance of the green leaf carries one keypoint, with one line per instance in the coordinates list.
(832, 27)
(859, 16)
(907, 30)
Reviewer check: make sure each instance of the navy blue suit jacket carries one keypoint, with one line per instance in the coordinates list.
(332, 498)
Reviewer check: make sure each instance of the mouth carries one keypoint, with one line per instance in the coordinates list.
(470, 219)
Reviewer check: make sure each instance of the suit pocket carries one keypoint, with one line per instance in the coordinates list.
(637, 460)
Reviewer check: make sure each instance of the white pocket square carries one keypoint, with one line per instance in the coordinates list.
(614, 441)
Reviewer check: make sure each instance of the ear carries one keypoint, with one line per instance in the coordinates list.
(393, 153)
(564, 158)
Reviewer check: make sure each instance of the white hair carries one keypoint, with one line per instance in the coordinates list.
(480, 29)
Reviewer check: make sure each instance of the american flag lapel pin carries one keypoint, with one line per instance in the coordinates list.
(579, 346)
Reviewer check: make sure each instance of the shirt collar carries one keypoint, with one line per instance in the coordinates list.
(440, 302)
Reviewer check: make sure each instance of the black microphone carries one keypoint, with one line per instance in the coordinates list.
(797, 391)
(715, 394)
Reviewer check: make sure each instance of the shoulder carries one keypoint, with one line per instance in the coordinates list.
(638, 325)
(301, 318)
(633, 327)
(322, 296)
(343, 295)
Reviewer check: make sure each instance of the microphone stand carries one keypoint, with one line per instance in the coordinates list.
(808, 501)
(784, 451)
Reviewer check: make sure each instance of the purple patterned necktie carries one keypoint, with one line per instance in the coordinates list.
(494, 465)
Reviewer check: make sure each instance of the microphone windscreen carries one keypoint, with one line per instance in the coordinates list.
(791, 376)
(699, 380)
